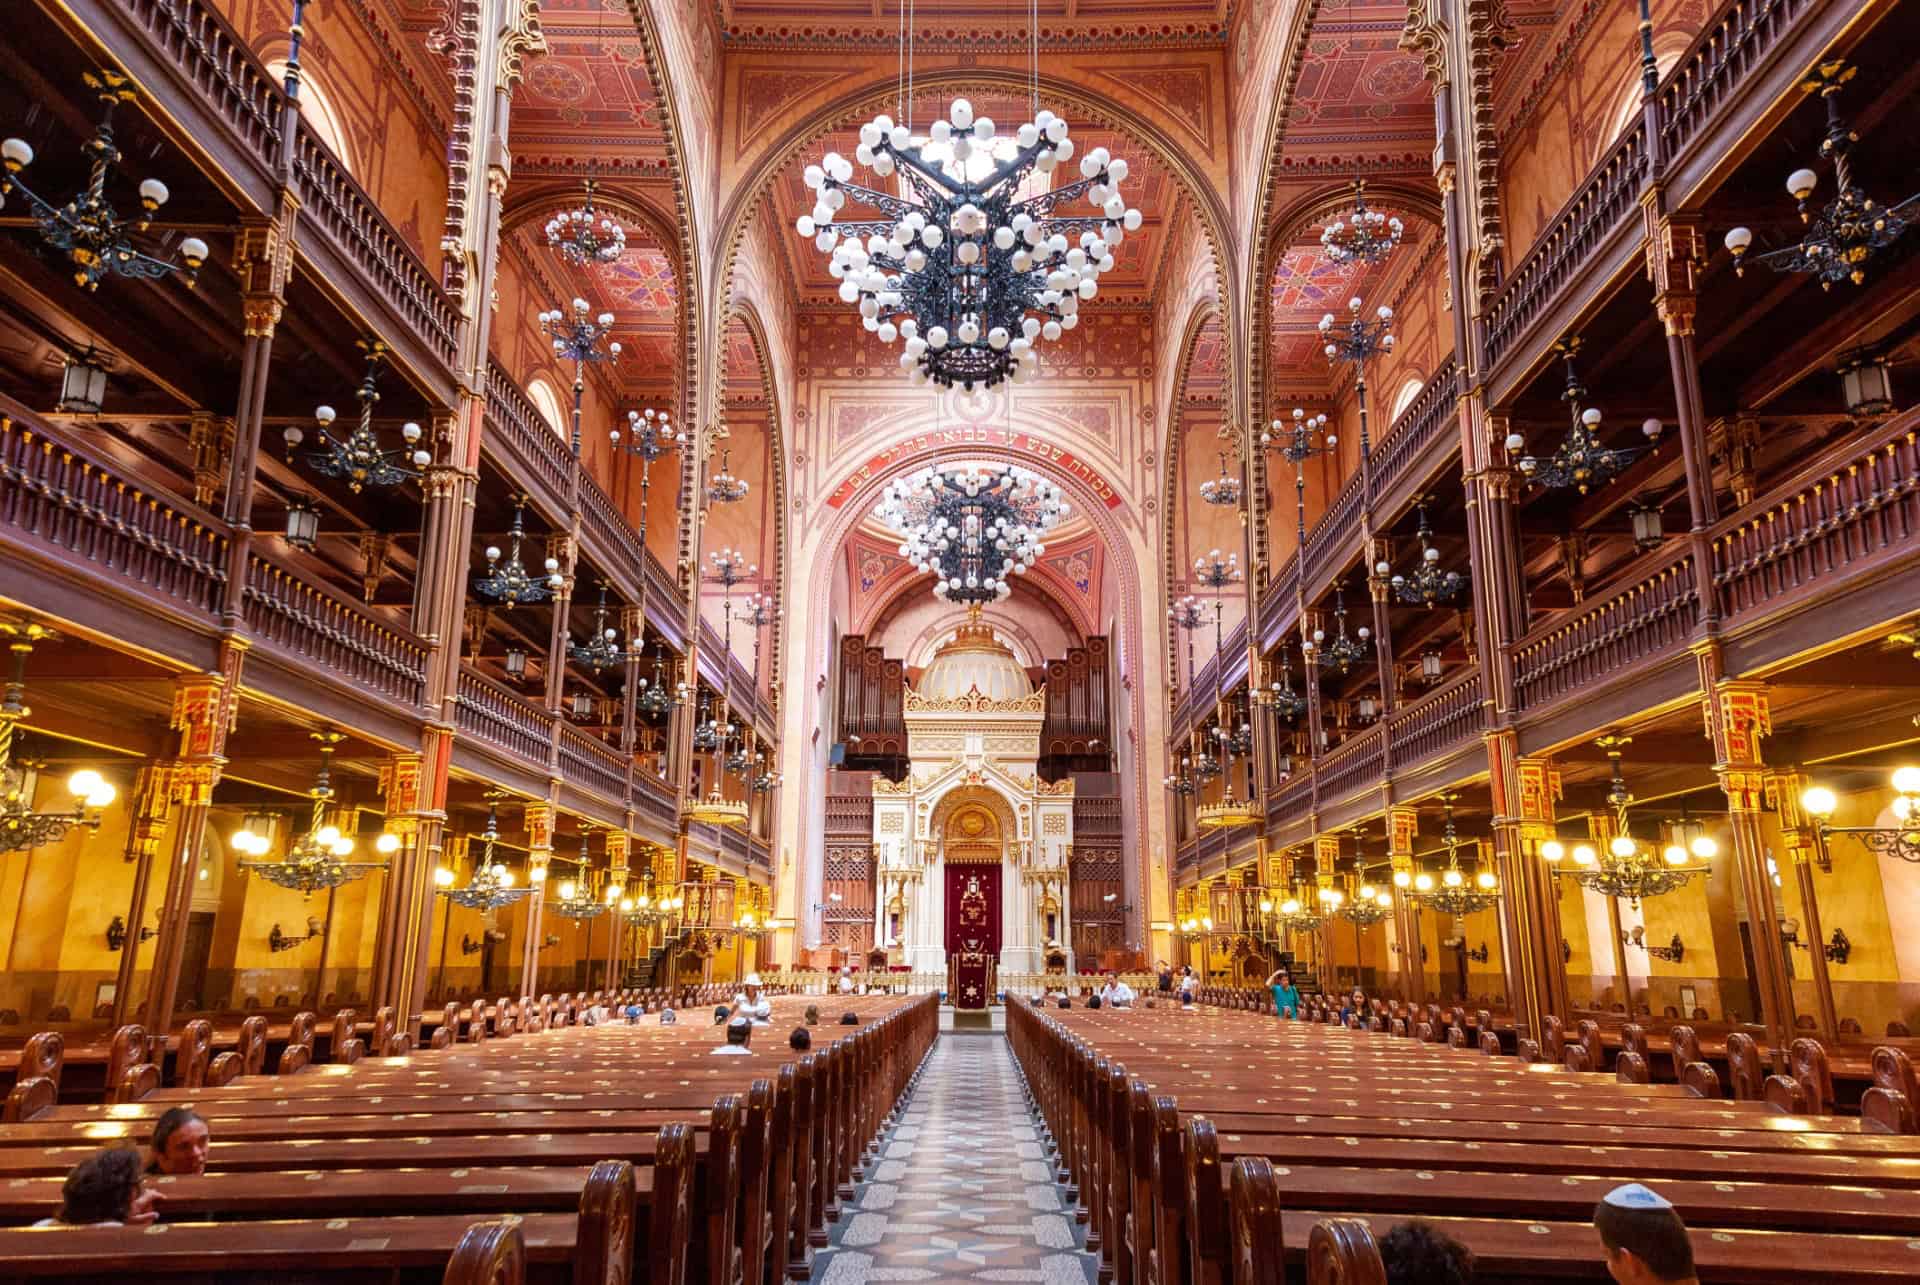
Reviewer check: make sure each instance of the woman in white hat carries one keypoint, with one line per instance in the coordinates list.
(754, 1003)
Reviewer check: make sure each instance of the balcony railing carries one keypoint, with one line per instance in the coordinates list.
(1843, 516)
(209, 55)
(342, 209)
(589, 764)
(1650, 615)
(1426, 419)
(337, 635)
(66, 501)
(1353, 764)
(1338, 526)
(1723, 56)
(1441, 720)
(495, 716)
(535, 446)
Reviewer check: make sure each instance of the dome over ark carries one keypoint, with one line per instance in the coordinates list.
(972, 659)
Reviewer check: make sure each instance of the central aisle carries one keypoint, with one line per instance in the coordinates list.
(962, 1191)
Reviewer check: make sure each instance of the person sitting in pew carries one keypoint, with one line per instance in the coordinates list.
(668, 1017)
(846, 982)
(813, 1015)
(1286, 996)
(753, 1001)
(595, 1015)
(1356, 1004)
(106, 1190)
(1417, 1253)
(849, 1019)
(722, 1014)
(634, 1013)
(1645, 1240)
(179, 1143)
(800, 1040)
(739, 1038)
(1116, 993)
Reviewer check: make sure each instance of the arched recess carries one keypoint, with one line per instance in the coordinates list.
(1131, 762)
(1178, 484)
(1029, 590)
(1415, 203)
(1077, 102)
(645, 221)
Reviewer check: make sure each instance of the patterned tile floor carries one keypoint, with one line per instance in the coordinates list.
(962, 1190)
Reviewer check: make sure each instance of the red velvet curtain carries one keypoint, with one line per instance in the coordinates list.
(973, 909)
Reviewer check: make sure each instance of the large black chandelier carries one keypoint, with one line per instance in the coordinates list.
(1580, 461)
(723, 487)
(973, 529)
(318, 860)
(359, 459)
(602, 649)
(584, 236)
(576, 337)
(93, 235)
(1223, 490)
(655, 699)
(1364, 236)
(970, 269)
(1842, 238)
(508, 581)
(491, 884)
(1454, 893)
(21, 827)
(1342, 652)
(1626, 868)
(1180, 781)
(1428, 585)
(1287, 702)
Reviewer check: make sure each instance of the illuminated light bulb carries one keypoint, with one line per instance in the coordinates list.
(1674, 854)
(1819, 801)
(1621, 845)
(1453, 878)
(1551, 850)
(443, 876)
(1583, 854)
(1366, 892)
(1902, 806)
(626, 904)
(327, 835)
(387, 843)
(86, 782)
(1401, 879)
(1423, 882)
(567, 890)
(1704, 847)
(1290, 907)
(643, 901)
(504, 875)
(1266, 906)
(1486, 881)
(537, 875)
(1907, 780)
(343, 847)
(1207, 923)
(1384, 901)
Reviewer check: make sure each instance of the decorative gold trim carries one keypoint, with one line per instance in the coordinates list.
(976, 703)
(1227, 814)
(715, 809)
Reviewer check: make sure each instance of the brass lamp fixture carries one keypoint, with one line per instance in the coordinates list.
(1627, 868)
(576, 337)
(86, 227)
(1428, 585)
(602, 649)
(509, 581)
(491, 885)
(1366, 904)
(1455, 893)
(1842, 239)
(575, 898)
(317, 860)
(1342, 652)
(584, 236)
(1580, 461)
(21, 826)
(1901, 840)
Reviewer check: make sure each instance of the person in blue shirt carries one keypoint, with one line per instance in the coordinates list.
(1286, 997)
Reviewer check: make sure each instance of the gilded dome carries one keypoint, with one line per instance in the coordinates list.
(974, 658)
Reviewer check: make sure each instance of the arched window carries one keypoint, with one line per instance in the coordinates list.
(1404, 398)
(316, 107)
(1667, 48)
(547, 402)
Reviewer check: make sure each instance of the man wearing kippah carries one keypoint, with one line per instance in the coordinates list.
(739, 1035)
(1645, 1241)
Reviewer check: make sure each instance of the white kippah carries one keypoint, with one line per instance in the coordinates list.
(743, 1022)
(1634, 1196)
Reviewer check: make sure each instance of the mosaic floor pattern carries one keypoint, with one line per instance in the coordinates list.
(962, 1190)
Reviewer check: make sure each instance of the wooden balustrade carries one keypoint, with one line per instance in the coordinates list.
(334, 203)
(1425, 420)
(63, 501)
(1846, 514)
(592, 765)
(1723, 56)
(1439, 721)
(1292, 798)
(1650, 615)
(513, 421)
(1353, 764)
(495, 716)
(209, 55)
(1339, 525)
(336, 635)
(1610, 194)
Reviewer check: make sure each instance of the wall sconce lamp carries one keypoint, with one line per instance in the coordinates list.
(1837, 948)
(549, 942)
(1673, 952)
(278, 941)
(117, 933)
(1479, 954)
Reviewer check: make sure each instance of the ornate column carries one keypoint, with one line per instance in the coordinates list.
(396, 941)
(263, 257)
(204, 709)
(1803, 851)
(1675, 248)
(1379, 554)
(1524, 791)
(149, 805)
(537, 818)
(210, 437)
(633, 623)
(1403, 824)
(561, 548)
(1737, 717)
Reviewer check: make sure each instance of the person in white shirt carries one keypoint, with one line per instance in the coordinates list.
(739, 1038)
(754, 1003)
(846, 983)
(1116, 993)
(1189, 988)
